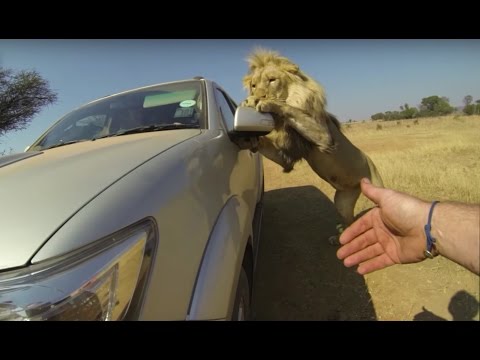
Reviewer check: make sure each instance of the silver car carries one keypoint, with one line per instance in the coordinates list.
(141, 205)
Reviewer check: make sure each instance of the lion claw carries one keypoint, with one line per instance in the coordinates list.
(333, 240)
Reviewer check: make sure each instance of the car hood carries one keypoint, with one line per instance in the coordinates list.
(40, 193)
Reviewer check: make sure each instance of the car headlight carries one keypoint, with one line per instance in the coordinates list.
(101, 281)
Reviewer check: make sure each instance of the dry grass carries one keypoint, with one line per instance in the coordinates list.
(437, 158)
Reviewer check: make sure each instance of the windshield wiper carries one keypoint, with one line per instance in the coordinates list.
(63, 143)
(150, 128)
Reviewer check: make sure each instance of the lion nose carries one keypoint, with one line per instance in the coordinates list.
(261, 94)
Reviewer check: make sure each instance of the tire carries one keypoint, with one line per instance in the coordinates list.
(241, 307)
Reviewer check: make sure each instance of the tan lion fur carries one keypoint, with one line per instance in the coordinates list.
(304, 129)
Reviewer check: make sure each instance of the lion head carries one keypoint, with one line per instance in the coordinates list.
(271, 76)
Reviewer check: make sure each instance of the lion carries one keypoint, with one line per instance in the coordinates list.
(304, 129)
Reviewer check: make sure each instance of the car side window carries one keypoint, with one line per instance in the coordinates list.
(232, 103)
(228, 114)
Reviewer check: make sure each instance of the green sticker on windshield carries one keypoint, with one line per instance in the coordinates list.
(187, 103)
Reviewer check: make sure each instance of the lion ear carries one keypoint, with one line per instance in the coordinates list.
(247, 79)
(295, 70)
(291, 68)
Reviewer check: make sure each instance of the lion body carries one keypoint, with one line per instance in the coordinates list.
(304, 129)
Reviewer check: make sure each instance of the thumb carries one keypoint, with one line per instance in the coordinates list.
(371, 191)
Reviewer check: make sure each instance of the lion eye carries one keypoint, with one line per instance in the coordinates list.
(272, 80)
(253, 86)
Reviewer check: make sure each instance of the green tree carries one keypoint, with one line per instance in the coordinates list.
(435, 105)
(22, 95)
(469, 109)
(378, 116)
(467, 100)
(409, 113)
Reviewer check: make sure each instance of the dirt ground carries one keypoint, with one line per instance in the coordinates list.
(299, 277)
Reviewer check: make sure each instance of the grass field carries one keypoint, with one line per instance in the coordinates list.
(437, 158)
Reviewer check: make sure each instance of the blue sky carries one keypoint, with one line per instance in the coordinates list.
(361, 77)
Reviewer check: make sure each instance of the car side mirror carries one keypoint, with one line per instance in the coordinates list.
(250, 122)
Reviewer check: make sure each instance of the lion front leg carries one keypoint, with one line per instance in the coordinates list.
(268, 149)
(312, 129)
(345, 201)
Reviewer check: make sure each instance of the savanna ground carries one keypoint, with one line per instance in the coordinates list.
(299, 276)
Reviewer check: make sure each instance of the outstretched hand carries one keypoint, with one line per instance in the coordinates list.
(391, 233)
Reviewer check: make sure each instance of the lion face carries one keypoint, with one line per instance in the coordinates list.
(267, 83)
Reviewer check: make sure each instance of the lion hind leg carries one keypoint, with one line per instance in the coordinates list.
(345, 201)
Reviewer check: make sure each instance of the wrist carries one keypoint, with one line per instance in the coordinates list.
(431, 249)
(436, 230)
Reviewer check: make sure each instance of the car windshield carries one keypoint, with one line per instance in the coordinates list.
(162, 107)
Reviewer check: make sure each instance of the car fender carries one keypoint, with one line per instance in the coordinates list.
(215, 288)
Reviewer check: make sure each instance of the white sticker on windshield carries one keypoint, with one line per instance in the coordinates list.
(187, 103)
(181, 113)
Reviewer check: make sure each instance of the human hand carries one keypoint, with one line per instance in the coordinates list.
(391, 233)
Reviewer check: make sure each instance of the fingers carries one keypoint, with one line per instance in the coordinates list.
(377, 263)
(371, 191)
(360, 226)
(357, 244)
(361, 256)
(366, 252)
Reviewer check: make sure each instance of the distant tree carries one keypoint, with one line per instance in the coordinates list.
(378, 116)
(467, 100)
(434, 105)
(409, 113)
(401, 107)
(22, 95)
(429, 103)
(469, 109)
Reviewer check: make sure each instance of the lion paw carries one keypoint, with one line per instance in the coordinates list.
(265, 106)
(249, 102)
(333, 240)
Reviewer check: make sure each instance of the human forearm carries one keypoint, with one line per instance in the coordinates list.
(456, 228)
